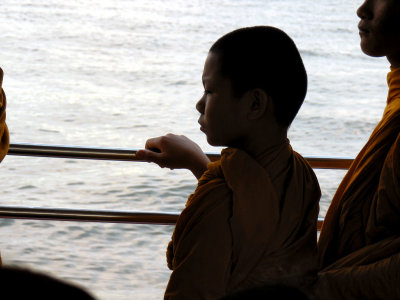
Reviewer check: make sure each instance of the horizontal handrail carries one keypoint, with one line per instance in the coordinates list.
(79, 152)
(81, 215)
(130, 155)
(57, 214)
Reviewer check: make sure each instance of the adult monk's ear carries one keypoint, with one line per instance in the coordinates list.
(258, 103)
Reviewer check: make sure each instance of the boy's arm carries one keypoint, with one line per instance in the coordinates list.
(202, 258)
(175, 152)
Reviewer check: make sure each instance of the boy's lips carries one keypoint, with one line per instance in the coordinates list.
(363, 29)
(201, 125)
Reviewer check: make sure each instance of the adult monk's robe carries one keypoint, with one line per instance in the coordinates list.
(359, 245)
(4, 138)
(250, 222)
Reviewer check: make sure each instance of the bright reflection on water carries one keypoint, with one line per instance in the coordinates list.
(112, 74)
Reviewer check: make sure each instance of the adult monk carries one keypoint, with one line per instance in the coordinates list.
(359, 245)
(4, 138)
(251, 221)
(21, 283)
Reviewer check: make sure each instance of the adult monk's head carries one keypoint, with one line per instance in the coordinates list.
(380, 29)
(250, 74)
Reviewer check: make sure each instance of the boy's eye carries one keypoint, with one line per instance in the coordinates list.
(207, 92)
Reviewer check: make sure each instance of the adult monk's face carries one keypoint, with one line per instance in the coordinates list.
(221, 113)
(380, 28)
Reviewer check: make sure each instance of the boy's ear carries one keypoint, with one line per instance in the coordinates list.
(258, 103)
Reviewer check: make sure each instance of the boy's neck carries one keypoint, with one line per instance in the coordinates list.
(394, 60)
(262, 142)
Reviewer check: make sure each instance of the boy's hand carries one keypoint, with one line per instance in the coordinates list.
(175, 152)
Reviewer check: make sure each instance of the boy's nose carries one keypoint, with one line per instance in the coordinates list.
(200, 105)
(364, 11)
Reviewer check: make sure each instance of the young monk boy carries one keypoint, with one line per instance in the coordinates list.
(252, 219)
(359, 245)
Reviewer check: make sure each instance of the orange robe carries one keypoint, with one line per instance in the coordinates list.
(250, 222)
(359, 245)
(4, 138)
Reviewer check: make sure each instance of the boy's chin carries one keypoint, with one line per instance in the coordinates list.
(214, 142)
(371, 50)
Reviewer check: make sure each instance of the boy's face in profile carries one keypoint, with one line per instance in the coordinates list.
(380, 27)
(221, 113)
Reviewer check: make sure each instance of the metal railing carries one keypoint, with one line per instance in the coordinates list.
(81, 215)
(130, 155)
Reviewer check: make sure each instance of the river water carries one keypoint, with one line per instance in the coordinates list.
(113, 73)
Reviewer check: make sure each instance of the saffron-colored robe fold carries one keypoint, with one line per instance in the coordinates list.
(4, 138)
(250, 222)
(359, 245)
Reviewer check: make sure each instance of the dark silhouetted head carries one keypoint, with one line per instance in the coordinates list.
(264, 57)
(25, 284)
